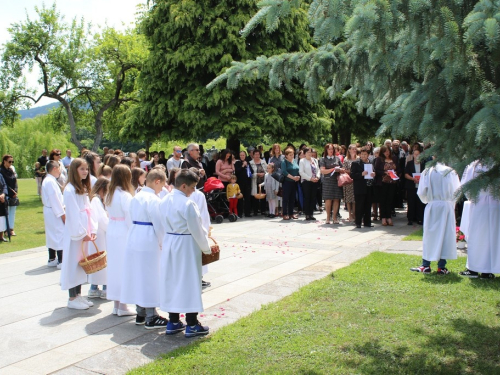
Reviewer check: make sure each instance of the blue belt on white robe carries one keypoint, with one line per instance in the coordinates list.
(142, 223)
(179, 234)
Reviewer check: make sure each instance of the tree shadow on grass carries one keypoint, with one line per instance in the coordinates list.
(476, 352)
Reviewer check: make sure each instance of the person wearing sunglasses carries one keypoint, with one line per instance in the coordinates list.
(176, 160)
(55, 154)
(192, 160)
(9, 174)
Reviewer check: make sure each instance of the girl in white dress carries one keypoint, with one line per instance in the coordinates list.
(138, 179)
(118, 205)
(79, 229)
(100, 216)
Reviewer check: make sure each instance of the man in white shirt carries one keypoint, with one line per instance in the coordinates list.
(67, 159)
(175, 160)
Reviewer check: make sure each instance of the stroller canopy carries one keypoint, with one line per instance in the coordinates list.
(212, 184)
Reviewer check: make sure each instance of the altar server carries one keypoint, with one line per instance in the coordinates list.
(78, 231)
(482, 229)
(53, 213)
(118, 205)
(437, 188)
(180, 269)
(141, 273)
(100, 216)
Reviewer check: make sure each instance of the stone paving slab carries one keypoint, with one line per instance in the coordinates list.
(262, 261)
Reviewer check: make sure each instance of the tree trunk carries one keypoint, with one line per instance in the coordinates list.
(72, 125)
(98, 124)
(335, 135)
(233, 144)
(345, 137)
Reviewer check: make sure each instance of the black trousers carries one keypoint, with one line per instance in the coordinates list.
(73, 292)
(52, 255)
(387, 192)
(309, 190)
(259, 205)
(289, 190)
(415, 206)
(191, 318)
(363, 207)
(245, 204)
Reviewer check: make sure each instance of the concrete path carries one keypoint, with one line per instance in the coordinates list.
(262, 260)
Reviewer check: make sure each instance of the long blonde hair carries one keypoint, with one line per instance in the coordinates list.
(81, 186)
(120, 178)
(102, 183)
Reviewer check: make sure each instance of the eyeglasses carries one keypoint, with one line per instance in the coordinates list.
(197, 149)
(10, 161)
(57, 154)
(178, 151)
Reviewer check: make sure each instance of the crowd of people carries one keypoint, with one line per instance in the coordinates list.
(135, 204)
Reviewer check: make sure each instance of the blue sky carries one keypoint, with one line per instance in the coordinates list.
(116, 13)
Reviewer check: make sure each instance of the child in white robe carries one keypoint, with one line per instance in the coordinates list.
(53, 214)
(180, 269)
(141, 274)
(437, 189)
(79, 230)
(100, 216)
(118, 205)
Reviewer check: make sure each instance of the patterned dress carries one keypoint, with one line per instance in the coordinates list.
(331, 189)
(348, 189)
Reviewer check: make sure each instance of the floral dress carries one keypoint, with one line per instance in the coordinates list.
(348, 189)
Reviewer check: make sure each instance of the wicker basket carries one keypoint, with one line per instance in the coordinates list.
(260, 195)
(94, 262)
(209, 258)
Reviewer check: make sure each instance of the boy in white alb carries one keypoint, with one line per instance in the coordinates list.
(141, 273)
(180, 269)
(53, 213)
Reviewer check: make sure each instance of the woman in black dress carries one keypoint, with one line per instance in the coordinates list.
(10, 177)
(243, 174)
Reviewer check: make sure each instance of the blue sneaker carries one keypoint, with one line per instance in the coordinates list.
(173, 328)
(197, 330)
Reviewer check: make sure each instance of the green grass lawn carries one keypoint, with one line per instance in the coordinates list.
(373, 317)
(29, 225)
(415, 236)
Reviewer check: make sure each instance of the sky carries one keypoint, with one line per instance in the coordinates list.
(116, 13)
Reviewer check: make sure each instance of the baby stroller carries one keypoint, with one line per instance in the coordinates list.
(216, 201)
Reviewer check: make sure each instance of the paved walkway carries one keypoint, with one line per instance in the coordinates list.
(262, 260)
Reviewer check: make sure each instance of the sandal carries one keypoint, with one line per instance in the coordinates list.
(336, 222)
(286, 217)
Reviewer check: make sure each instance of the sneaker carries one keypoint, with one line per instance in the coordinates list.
(205, 284)
(59, 265)
(85, 300)
(443, 271)
(77, 304)
(197, 330)
(103, 294)
(52, 263)
(94, 293)
(469, 273)
(140, 320)
(485, 275)
(173, 328)
(125, 312)
(157, 322)
(421, 269)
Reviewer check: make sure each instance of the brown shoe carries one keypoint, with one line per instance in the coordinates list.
(295, 217)
(286, 217)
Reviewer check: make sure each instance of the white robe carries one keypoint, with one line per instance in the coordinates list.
(116, 240)
(483, 233)
(100, 216)
(437, 189)
(180, 269)
(53, 210)
(201, 202)
(79, 223)
(141, 264)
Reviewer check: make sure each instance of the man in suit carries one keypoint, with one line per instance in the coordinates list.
(415, 206)
(363, 188)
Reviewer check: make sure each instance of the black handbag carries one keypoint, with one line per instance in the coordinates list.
(278, 176)
(13, 202)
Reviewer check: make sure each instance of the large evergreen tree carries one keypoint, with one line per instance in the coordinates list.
(431, 67)
(191, 42)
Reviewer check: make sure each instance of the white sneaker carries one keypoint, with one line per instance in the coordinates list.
(52, 263)
(59, 265)
(126, 312)
(94, 293)
(102, 295)
(115, 311)
(77, 304)
(85, 301)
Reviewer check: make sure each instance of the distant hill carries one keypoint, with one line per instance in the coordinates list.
(33, 112)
